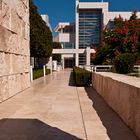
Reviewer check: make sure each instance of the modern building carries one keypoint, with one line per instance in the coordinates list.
(79, 40)
(66, 37)
(46, 19)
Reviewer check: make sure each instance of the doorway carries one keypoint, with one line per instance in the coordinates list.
(69, 62)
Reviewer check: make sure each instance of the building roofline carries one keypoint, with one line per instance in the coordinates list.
(91, 5)
(62, 25)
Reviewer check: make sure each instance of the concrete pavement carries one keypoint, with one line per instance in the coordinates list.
(54, 109)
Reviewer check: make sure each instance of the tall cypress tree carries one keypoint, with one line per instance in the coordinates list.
(40, 35)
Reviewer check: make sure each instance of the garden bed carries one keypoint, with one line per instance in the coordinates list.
(37, 73)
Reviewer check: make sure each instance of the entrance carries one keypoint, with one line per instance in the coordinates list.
(69, 62)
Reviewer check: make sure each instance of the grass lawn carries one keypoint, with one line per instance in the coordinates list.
(37, 73)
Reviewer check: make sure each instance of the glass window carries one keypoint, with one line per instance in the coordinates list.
(67, 45)
(90, 22)
(89, 27)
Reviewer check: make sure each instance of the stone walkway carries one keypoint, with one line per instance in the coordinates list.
(54, 109)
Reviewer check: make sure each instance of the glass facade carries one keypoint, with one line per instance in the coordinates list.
(68, 45)
(90, 22)
(82, 59)
(89, 28)
(68, 30)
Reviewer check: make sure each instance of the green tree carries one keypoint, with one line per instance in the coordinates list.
(56, 45)
(124, 63)
(124, 37)
(133, 16)
(40, 35)
(102, 56)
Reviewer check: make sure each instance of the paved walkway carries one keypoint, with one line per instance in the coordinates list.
(54, 109)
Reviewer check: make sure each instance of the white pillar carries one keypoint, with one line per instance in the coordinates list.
(77, 25)
(138, 70)
(44, 70)
(63, 63)
(76, 59)
(77, 33)
(51, 64)
(31, 73)
(62, 45)
(88, 56)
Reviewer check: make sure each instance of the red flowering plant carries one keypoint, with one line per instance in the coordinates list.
(123, 37)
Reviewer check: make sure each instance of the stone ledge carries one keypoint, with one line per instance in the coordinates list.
(122, 93)
(130, 80)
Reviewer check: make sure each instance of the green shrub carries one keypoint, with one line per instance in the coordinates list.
(37, 73)
(82, 76)
(124, 63)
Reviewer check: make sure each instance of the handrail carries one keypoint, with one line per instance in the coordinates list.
(105, 67)
(102, 66)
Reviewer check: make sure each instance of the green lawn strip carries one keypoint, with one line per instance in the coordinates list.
(37, 73)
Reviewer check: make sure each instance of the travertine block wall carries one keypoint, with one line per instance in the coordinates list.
(122, 93)
(14, 47)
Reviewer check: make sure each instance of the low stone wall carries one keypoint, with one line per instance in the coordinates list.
(14, 47)
(122, 93)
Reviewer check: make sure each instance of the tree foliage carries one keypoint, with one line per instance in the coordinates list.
(124, 37)
(40, 35)
(124, 63)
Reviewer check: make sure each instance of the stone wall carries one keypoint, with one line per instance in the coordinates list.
(122, 93)
(14, 47)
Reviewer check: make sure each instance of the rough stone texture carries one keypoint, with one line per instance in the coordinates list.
(122, 93)
(14, 47)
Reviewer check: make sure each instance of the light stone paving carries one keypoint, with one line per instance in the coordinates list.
(54, 109)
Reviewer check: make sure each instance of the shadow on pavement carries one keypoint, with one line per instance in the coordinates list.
(116, 129)
(31, 129)
(71, 80)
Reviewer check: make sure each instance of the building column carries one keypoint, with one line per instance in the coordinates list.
(76, 59)
(49, 65)
(77, 25)
(77, 33)
(63, 63)
(88, 56)
(62, 45)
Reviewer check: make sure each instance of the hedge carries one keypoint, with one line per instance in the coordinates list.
(82, 76)
(37, 73)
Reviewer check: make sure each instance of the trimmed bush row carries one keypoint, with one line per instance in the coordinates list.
(82, 76)
(37, 73)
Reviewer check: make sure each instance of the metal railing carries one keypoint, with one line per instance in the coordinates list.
(105, 68)
(98, 68)
(102, 68)
(137, 68)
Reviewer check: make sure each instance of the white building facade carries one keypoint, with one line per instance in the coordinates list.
(46, 19)
(66, 37)
(85, 34)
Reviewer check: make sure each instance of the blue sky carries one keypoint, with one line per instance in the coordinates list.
(64, 10)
